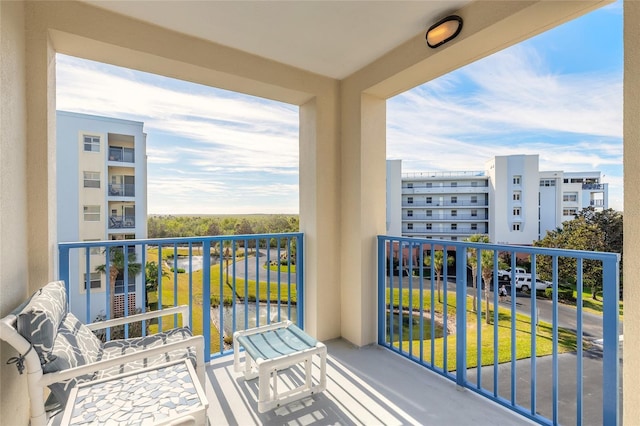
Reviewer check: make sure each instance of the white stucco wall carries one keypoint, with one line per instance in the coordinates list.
(14, 214)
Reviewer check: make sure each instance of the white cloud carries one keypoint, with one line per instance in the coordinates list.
(510, 103)
(203, 144)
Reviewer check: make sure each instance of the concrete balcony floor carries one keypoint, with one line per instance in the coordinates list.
(365, 386)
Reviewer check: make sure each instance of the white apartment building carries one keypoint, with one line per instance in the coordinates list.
(102, 194)
(512, 201)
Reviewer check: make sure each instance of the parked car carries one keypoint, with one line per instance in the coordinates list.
(507, 272)
(523, 283)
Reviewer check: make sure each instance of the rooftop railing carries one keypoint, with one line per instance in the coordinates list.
(229, 282)
(524, 340)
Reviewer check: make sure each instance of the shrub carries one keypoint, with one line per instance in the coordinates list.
(180, 270)
(565, 293)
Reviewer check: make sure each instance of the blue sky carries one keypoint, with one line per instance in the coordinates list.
(211, 151)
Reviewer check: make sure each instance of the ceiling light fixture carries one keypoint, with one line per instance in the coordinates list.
(443, 31)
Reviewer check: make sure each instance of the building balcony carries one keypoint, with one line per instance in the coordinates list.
(122, 155)
(449, 218)
(460, 189)
(257, 278)
(593, 186)
(122, 222)
(122, 190)
(469, 204)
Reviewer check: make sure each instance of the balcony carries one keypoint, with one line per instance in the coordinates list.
(122, 222)
(252, 280)
(437, 218)
(470, 204)
(122, 190)
(122, 155)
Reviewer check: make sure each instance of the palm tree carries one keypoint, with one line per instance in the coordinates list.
(438, 262)
(116, 268)
(151, 279)
(486, 271)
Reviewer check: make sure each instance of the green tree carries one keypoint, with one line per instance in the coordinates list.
(116, 268)
(151, 279)
(438, 263)
(576, 234)
(486, 268)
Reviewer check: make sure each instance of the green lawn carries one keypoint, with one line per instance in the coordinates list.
(566, 339)
(591, 305)
(226, 290)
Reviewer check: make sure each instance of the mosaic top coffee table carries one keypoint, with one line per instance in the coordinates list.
(154, 396)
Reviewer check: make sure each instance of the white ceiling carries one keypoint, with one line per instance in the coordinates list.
(331, 38)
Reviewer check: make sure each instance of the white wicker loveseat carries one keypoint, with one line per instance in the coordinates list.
(56, 350)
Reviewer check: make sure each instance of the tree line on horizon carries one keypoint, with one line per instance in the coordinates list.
(169, 226)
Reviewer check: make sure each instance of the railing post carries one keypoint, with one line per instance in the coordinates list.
(610, 328)
(63, 267)
(206, 297)
(300, 280)
(381, 292)
(461, 315)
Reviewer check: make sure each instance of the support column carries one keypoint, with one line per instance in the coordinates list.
(41, 151)
(631, 408)
(320, 213)
(363, 210)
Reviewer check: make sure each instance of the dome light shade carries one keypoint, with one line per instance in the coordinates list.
(443, 31)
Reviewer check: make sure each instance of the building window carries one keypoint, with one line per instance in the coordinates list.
(516, 180)
(409, 226)
(429, 213)
(516, 226)
(570, 196)
(516, 211)
(454, 226)
(474, 226)
(474, 183)
(410, 185)
(428, 227)
(429, 200)
(474, 198)
(516, 195)
(454, 238)
(429, 185)
(454, 200)
(454, 184)
(409, 200)
(94, 250)
(454, 212)
(474, 213)
(409, 213)
(92, 213)
(548, 182)
(569, 212)
(92, 179)
(94, 280)
(91, 143)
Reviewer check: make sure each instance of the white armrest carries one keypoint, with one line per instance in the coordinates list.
(182, 310)
(195, 341)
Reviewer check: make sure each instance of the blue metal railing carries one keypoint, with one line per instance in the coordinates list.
(443, 330)
(244, 281)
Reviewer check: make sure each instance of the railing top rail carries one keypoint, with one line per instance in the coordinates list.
(177, 240)
(597, 255)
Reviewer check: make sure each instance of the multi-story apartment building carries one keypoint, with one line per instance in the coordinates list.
(102, 194)
(512, 200)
